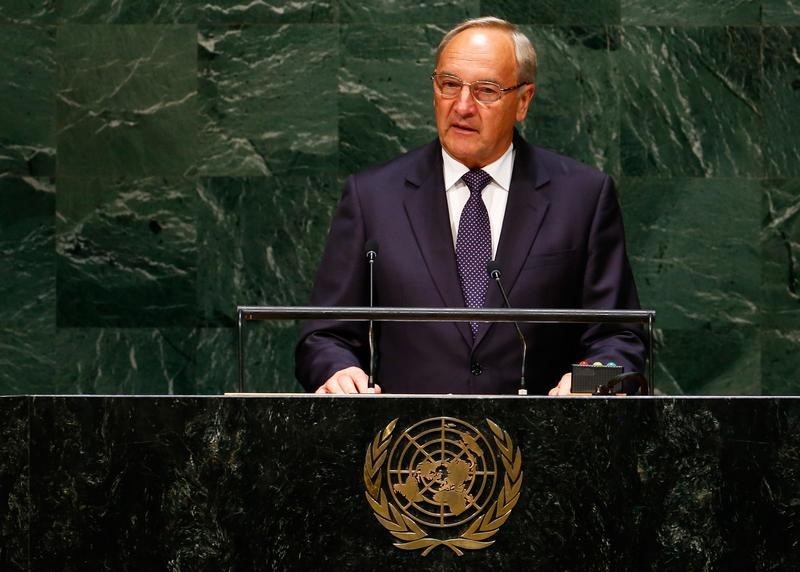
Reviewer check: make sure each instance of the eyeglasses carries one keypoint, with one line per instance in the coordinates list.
(450, 86)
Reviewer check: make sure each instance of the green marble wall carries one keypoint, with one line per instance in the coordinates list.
(161, 162)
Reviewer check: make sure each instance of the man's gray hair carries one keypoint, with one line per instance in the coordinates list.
(523, 49)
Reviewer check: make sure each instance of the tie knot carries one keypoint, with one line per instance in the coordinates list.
(476, 180)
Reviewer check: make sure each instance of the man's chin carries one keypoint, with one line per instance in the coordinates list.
(460, 150)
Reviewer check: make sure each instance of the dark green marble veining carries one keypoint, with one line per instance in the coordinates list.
(268, 98)
(260, 240)
(27, 100)
(781, 100)
(385, 92)
(127, 100)
(127, 252)
(27, 12)
(124, 11)
(125, 361)
(717, 359)
(693, 245)
(564, 12)
(575, 109)
(27, 359)
(27, 261)
(269, 358)
(28, 284)
(781, 12)
(259, 243)
(780, 253)
(392, 12)
(691, 102)
(265, 11)
(691, 12)
(780, 361)
(179, 11)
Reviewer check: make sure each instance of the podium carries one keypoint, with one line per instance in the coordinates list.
(279, 482)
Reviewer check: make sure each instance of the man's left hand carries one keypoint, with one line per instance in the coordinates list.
(564, 386)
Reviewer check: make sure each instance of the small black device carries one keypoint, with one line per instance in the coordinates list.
(587, 378)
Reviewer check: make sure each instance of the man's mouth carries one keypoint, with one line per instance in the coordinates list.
(463, 128)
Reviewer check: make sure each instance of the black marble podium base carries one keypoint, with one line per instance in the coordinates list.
(275, 483)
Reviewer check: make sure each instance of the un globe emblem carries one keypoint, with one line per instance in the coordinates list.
(442, 474)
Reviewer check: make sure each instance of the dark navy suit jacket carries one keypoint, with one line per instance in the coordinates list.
(562, 245)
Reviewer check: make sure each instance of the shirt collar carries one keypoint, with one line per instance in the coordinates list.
(500, 170)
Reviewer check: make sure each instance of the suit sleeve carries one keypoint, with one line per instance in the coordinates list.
(327, 346)
(608, 284)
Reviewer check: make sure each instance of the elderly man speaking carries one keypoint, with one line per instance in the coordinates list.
(441, 212)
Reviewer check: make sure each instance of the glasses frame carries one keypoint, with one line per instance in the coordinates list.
(470, 84)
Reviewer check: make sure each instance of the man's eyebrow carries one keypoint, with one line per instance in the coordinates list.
(490, 80)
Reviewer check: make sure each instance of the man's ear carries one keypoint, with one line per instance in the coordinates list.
(524, 101)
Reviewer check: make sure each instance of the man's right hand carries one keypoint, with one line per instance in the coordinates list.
(349, 380)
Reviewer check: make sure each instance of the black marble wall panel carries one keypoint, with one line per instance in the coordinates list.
(14, 483)
(187, 156)
(232, 483)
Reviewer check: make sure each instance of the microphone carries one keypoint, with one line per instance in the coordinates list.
(371, 252)
(494, 273)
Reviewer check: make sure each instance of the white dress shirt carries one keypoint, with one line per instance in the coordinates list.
(495, 195)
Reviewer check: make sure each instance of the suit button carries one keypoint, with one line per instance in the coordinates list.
(476, 368)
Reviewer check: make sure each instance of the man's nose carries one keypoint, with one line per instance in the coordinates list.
(465, 104)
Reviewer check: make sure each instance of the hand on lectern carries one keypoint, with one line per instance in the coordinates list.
(564, 386)
(348, 380)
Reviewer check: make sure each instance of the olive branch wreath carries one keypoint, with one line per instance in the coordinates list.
(411, 534)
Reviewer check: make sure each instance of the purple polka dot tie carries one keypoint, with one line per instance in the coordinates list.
(474, 244)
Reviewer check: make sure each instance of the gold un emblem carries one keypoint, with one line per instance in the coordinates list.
(442, 483)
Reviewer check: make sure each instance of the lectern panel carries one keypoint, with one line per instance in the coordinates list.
(435, 483)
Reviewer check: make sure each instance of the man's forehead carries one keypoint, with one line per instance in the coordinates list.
(483, 46)
(480, 40)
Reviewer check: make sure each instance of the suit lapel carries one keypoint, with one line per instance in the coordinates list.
(525, 211)
(426, 208)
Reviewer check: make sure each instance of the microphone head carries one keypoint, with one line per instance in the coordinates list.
(493, 268)
(371, 247)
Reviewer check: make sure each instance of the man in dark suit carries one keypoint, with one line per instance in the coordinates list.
(440, 212)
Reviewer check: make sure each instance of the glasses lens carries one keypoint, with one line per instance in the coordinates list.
(449, 86)
(486, 92)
